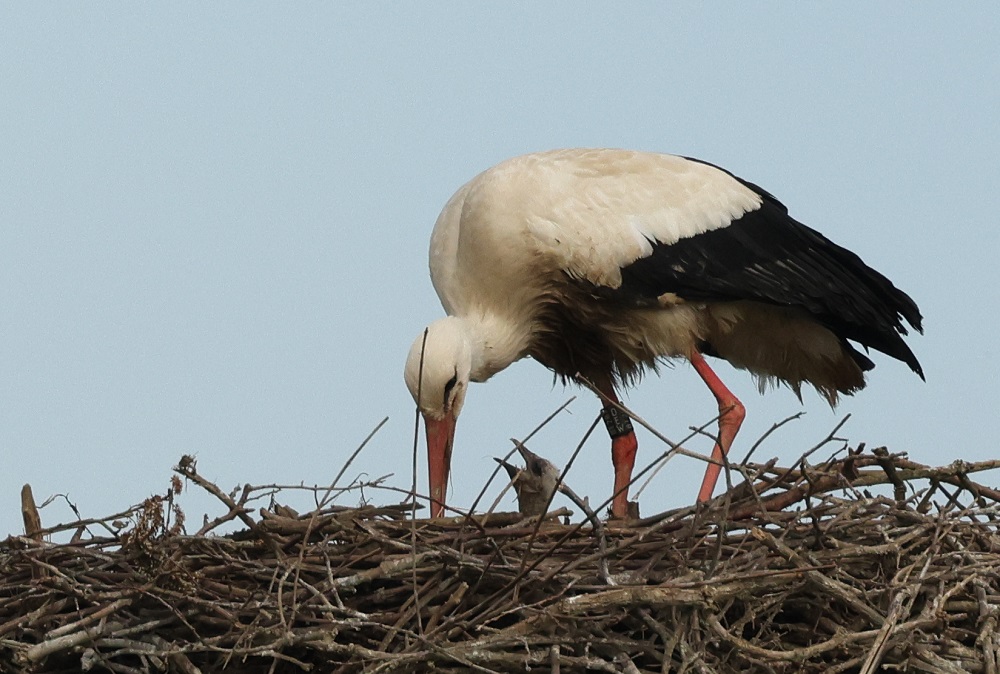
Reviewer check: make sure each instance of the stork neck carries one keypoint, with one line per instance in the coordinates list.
(496, 343)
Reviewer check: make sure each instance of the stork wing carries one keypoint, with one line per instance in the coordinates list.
(767, 256)
(698, 235)
(595, 212)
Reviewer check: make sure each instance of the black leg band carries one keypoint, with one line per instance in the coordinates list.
(617, 422)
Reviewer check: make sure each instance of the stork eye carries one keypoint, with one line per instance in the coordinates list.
(449, 386)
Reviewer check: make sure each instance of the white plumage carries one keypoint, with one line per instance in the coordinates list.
(587, 213)
(600, 262)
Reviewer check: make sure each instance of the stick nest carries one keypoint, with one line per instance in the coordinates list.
(796, 569)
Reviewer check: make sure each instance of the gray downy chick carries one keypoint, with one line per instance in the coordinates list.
(534, 484)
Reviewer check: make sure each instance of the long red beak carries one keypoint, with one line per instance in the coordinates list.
(440, 436)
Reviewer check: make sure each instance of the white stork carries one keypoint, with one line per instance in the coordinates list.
(600, 263)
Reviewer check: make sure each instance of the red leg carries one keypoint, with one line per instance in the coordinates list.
(731, 415)
(623, 448)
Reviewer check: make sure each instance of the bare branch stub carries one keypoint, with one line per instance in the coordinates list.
(796, 571)
(29, 513)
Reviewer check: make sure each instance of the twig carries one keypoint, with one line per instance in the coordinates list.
(186, 468)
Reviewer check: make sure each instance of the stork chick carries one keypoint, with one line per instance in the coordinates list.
(534, 484)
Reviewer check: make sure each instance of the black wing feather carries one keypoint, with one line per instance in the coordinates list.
(768, 256)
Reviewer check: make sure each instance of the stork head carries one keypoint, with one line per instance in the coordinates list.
(437, 373)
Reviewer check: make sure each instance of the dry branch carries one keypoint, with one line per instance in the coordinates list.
(797, 569)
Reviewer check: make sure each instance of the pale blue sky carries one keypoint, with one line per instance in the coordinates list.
(215, 221)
